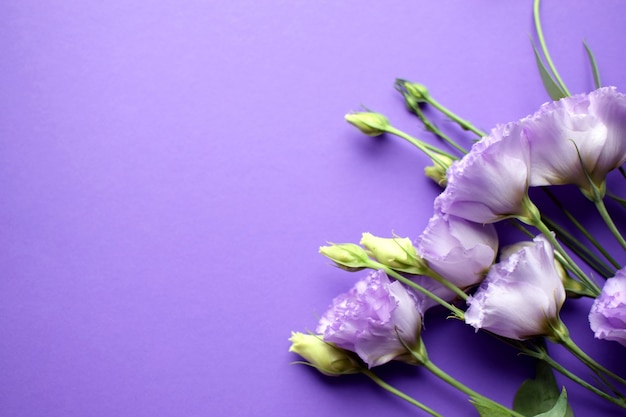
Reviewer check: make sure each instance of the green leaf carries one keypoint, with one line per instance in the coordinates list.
(552, 88)
(539, 395)
(560, 409)
(486, 409)
(594, 66)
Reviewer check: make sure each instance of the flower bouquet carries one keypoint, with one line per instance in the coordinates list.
(514, 293)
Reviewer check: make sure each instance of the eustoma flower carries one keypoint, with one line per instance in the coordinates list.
(458, 250)
(371, 318)
(491, 181)
(521, 296)
(583, 130)
(608, 312)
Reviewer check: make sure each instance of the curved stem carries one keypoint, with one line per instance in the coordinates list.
(434, 275)
(474, 396)
(583, 230)
(544, 48)
(561, 336)
(543, 355)
(534, 219)
(465, 125)
(434, 129)
(399, 393)
(599, 202)
(428, 149)
(457, 311)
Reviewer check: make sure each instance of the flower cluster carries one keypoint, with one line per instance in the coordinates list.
(515, 293)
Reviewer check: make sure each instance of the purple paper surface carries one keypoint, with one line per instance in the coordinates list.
(169, 169)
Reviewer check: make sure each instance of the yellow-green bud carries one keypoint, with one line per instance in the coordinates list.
(396, 253)
(347, 256)
(437, 172)
(372, 124)
(324, 356)
(417, 91)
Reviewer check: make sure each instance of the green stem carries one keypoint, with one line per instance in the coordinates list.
(465, 125)
(561, 335)
(432, 151)
(544, 48)
(399, 393)
(534, 219)
(581, 250)
(434, 129)
(541, 354)
(599, 202)
(434, 275)
(460, 314)
(583, 230)
(422, 357)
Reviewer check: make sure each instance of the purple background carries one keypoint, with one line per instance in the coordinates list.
(169, 169)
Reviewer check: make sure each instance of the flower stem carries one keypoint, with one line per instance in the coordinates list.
(431, 151)
(542, 354)
(434, 275)
(599, 202)
(583, 230)
(544, 48)
(465, 125)
(580, 250)
(422, 357)
(457, 311)
(399, 393)
(434, 129)
(561, 335)
(534, 219)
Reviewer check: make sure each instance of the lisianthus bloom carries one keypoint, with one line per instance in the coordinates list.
(585, 129)
(371, 318)
(459, 250)
(608, 312)
(491, 181)
(521, 296)
(326, 358)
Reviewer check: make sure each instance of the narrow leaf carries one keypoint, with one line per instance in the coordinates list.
(594, 66)
(552, 88)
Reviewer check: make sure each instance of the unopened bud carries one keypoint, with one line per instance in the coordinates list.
(347, 256)
(438, 171)
(324, 356)
(372, 124)
(396, 253)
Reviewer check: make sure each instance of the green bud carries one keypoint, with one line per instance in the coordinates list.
(325, 357)
(396, 253)
(347, 256)
(372, 124)
(437, 172)
(418, 91)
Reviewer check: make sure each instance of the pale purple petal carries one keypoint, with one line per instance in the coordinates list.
(459, 250)
(590, 125)
(489, 183)
(521, 295)
(368, 319)
(608, 312)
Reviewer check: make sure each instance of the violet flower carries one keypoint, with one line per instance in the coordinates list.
(608, 312)
(587, 127)
(491, 181)
(369, 318)
(458, 250)
(521, 296)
